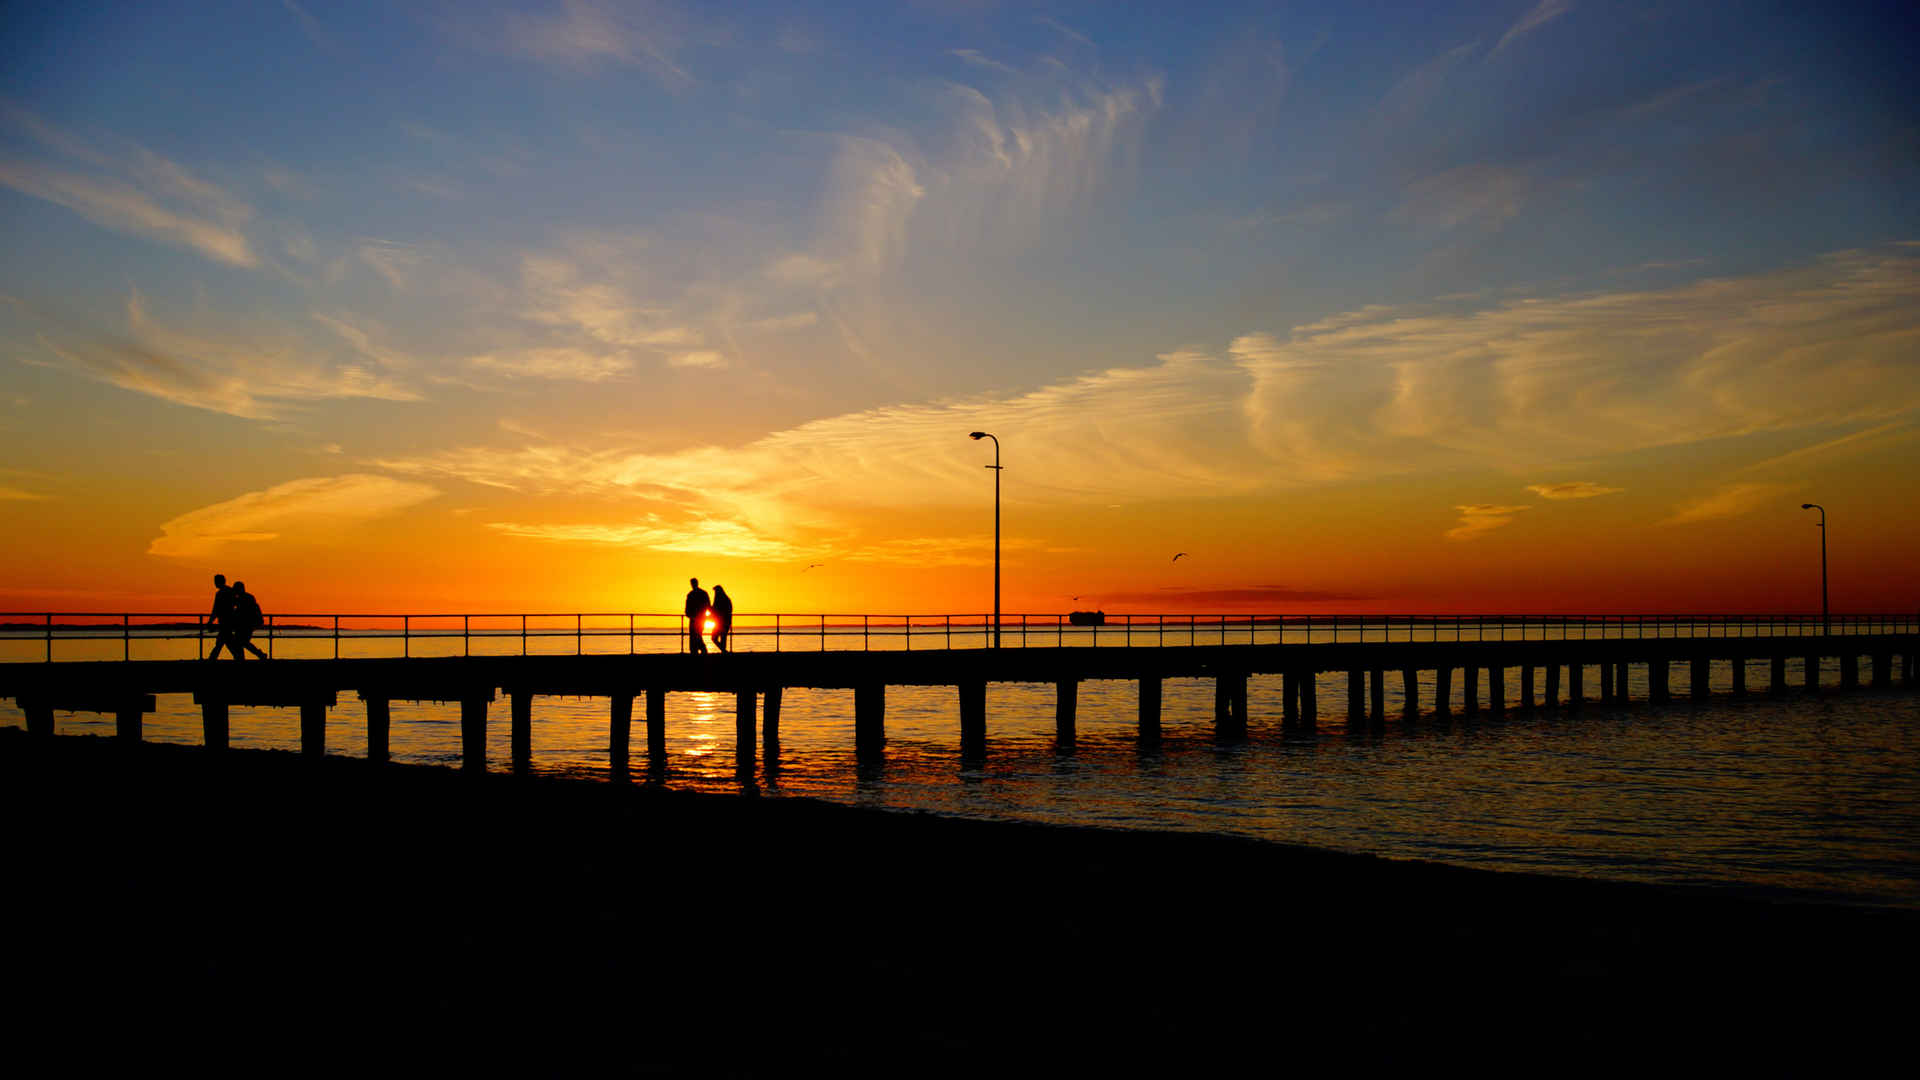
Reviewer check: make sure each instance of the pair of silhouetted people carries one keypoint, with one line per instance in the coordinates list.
(699, 607)
(236, 615)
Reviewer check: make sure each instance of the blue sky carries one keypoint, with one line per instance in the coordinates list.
(641, 265)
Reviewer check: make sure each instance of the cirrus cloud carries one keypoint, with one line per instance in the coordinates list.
(312, 507)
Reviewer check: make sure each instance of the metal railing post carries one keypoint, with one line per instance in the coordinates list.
(126, 637)
(466, 635)
(49, 637)
(577, 648)
(406, 636)
(336, 637)
(270, 637)
(523, 635)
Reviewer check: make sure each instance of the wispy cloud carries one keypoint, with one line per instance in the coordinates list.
(1479, 519)
(584, 34)
(1573, 489)
(1733, 500)
(725, 539)
(310, 509)
(238, 377)
(119, 206)
(14, 494)
(1538, 16)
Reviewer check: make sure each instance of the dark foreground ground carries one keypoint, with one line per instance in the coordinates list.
(254, 912)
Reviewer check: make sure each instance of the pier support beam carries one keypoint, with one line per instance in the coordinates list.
(1849, 672)
(1066, 709)
(1576, 676)
(1470, 690)
(1232, 688)
(1150, 708)
(1739, 670)
(770, 720)
(1882, 670)
(39, 717)
(1657, 684)
(870, 717)
(1410, 687)
(213, 724)
(620, 736)
(1289, 698)
(127, 721)
(1443, 690)
(379, 724)
(473, 735)
(1308, 695)
(1777, 675)
(1496, 689)
(1356, 695)
(1553, 685)
(520, 706)
(313, 729)
(973, 718)
(1813, 674)
(1699, 678)
(1606, 682)
(744, 709)
(1622, 685)
(1526, 688)
(1378, 678)
(656, 728)
(1906, 667)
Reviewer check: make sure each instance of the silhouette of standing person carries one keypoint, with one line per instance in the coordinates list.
(222, 619)
(246, 619)
(697, 604)
(722, 617)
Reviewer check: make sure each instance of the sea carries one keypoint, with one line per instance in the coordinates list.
(1810, 796)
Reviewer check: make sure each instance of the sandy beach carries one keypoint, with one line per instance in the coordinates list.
(168, 902)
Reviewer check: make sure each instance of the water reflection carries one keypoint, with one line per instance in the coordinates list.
(1811, 792)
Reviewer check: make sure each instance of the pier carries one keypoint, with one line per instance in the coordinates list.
(1502, 663)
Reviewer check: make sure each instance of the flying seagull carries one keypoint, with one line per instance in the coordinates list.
(1177, 556)
(812, 565)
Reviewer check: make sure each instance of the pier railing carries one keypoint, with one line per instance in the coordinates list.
(53, 636)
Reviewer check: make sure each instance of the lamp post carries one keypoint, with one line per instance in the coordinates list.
(1826, 626)
(977, 436)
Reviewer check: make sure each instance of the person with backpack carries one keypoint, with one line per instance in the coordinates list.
(246, 619)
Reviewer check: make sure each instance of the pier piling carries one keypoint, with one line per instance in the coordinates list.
(1659, 673)
(1410, 688)
(1356, 695)
(870, 717)
(379, 722)
(1496, 689)
(744, 718)
(1576, 676)
(1698, 679)
(520, 706)
(1738, 667)
(1812, 670)
(213, 723)
(1849, 672)
(1553, 685)
(973, 717)
(1378, 678)
(1443, 690)
(619, 736)
(473, 734)
(1526, 687)
(1309, 696)
(1470, 689)
(1066, 709)
(656, 728)
(1149, 708)
(1777, 675)
(313, 729)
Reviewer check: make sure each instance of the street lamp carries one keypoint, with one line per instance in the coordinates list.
(1826, 626)
(977, 436)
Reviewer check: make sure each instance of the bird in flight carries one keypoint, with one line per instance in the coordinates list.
(1178, 556)
(812, 565)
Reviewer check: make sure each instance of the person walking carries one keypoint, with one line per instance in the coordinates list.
(722, 617)
(697, 605)
(246, 618)
(221, 619)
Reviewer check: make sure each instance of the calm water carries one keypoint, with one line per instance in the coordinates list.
(1817, 794)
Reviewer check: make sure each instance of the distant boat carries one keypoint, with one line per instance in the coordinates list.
(1087, 618)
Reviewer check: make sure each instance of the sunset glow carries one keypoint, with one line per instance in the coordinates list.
(1531, 306)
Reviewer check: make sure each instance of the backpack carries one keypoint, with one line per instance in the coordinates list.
(248, 610)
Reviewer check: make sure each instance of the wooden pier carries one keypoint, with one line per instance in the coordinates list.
(1550, 674)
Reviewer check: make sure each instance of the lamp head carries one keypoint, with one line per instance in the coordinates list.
(976, 435)
(1806, 506)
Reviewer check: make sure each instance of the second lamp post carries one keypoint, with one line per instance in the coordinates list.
(976, 436)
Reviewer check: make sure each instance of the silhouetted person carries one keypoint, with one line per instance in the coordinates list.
(722, 617)
(246, 619)
(697, 605)
(222, 619)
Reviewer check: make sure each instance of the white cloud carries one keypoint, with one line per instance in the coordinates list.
(699, 358)
(310, 509)
(725, 539)
(586, 34)
(579, 365)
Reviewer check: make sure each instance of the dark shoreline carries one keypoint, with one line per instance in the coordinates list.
(634, 928)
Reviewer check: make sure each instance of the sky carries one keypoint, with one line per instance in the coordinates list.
(1532, 306)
